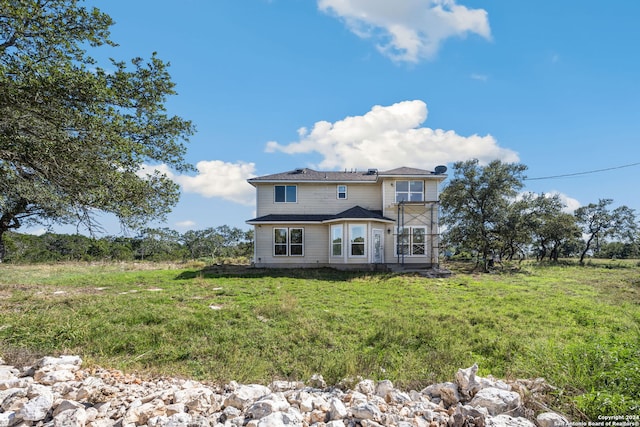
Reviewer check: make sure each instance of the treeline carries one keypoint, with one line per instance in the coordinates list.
(486, 217)
(151, 244)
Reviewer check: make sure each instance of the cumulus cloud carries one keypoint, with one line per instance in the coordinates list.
(390, 136)
(215, 178)
(185, 224)
(570, 203)
(408, 30)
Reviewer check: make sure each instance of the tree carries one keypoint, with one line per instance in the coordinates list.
(599, 222)
(475, 202)
(73, 135)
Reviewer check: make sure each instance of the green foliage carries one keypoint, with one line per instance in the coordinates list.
(74, 135)
(475, 202)
(214, 245)
(579, 328)
(598, 222)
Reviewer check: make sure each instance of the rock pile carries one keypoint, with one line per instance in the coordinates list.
(57, 392)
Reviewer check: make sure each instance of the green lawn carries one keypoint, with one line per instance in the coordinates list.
(578, 327)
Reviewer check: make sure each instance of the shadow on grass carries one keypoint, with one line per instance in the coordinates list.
(245, 271)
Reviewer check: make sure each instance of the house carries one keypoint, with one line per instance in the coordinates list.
(347, 220)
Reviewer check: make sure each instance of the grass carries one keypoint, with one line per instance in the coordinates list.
(578, 327)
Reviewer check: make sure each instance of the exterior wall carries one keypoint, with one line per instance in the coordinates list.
(316, 246)
(346, 258)
(420, 214)
(319, 198)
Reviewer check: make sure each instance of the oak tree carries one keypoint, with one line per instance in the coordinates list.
(73, 135)
(475, 202)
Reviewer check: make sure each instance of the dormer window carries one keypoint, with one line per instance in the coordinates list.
(286, 194)
(409, 191)
(342, 192)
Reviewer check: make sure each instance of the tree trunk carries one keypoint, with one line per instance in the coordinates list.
(2, 247)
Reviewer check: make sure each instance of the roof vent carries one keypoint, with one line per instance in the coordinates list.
(300, 170)
(439, 170)
(372, 171)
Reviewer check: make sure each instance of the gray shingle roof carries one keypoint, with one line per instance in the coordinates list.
(306, 174)
(356, 212)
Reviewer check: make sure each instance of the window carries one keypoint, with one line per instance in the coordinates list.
(286, 194)
(357, 240)
(409, 191)
(336, 240)
(288, 241)
(411, 241)
(342, 191)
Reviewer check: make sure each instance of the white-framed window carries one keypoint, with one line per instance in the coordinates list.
(285, 194)
(357, 240)
(288, 241)
(411, 241)
(409, 191)
(336, 240)
(341, 191)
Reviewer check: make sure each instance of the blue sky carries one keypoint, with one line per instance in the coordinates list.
(274, 85)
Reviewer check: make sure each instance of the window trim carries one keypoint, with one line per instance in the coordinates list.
(410, 242)
(286, 193)
(338, 192)
(352, 242)
(409, 192)
(335, 228)
(288, 244)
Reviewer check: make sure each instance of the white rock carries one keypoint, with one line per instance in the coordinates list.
(337, 409)
(267, 405)
(383, 388)
(245, 395)
(366, 387)
(62, 362)
(12, 399)
(66, 405)
(281, 419)
(368, 411)
(7, 418)
(466, 379)
(496, 401)
(52, 377)
(551, 419)
(277, 386)
(71, 418)
(504, 420)
(317, 381)
(335, 423)
(36, 409)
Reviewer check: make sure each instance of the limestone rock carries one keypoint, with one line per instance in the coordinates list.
(551, 419)
(496, 401)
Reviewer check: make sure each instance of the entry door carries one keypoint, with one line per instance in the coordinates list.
(378, 248)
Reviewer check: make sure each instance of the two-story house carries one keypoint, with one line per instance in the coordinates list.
(347, 220)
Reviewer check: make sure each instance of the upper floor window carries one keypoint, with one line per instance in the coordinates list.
(342, 191)
(409, 191)
(286, 194)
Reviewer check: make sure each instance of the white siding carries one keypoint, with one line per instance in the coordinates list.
(316, 244)
(319, 198)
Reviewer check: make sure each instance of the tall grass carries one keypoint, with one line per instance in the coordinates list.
(577, 327)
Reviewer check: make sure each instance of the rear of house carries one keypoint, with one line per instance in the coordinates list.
(347, 220)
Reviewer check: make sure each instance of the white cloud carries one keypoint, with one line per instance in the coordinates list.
(389, 137)
(185, 224)
(570, 203)
(408, 30)
(481, 77)
(215, 178)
